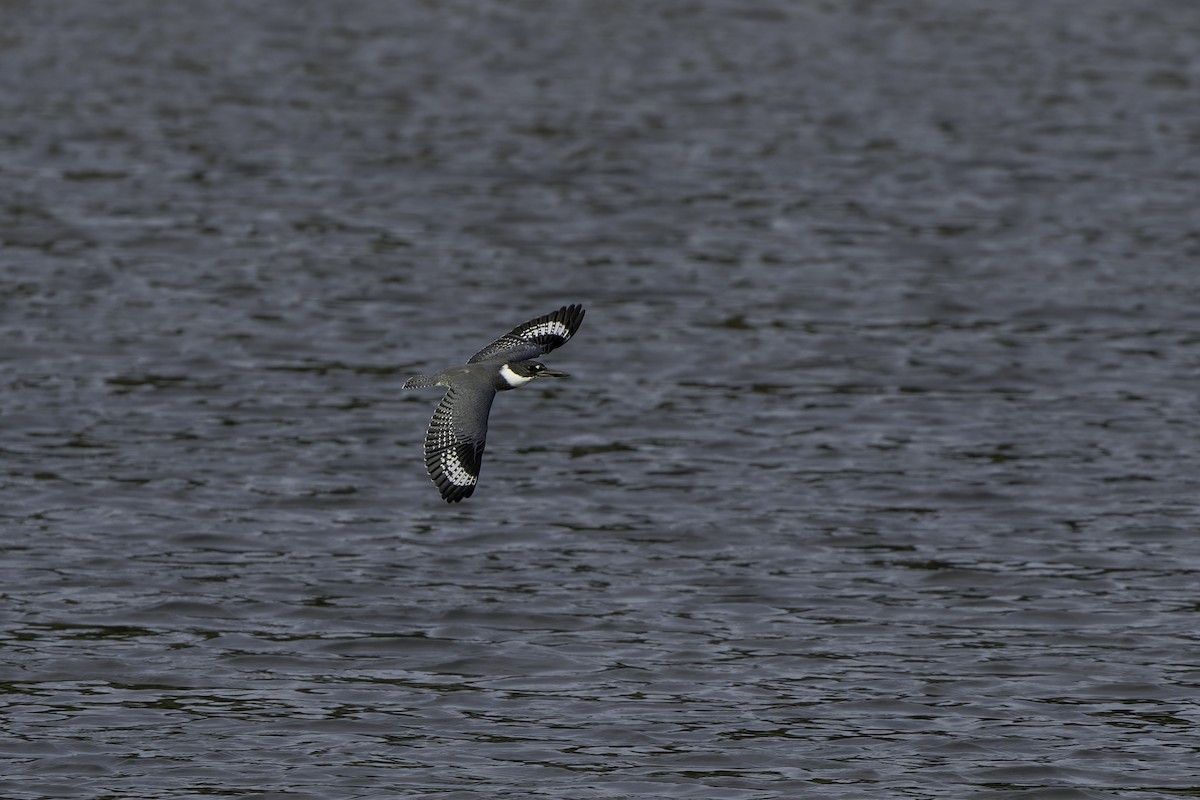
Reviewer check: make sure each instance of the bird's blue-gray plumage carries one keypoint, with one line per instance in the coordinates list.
(458, 431)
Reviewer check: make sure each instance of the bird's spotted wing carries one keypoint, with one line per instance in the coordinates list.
(534, 338)
(454, 442)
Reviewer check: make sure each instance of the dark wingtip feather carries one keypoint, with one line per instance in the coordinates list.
(571, 316)
(457, 493)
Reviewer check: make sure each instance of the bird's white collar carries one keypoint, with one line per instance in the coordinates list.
(513, 379)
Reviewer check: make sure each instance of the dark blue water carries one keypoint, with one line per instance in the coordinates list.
(877, 476)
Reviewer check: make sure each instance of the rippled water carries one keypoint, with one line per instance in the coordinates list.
(876, 478)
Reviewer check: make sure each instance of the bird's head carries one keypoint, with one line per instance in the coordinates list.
(519, 373)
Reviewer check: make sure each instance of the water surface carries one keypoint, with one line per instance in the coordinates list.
(876, 476)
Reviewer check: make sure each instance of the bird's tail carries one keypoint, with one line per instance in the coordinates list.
(419, 382)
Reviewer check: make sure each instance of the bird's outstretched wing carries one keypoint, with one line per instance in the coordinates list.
(534, 338)
(454, 442)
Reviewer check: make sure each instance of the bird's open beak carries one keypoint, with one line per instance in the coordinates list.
(552, 373)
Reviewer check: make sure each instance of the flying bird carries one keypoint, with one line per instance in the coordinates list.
(457, 433)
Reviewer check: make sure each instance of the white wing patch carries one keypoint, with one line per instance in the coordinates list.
(455, 471)
(549, 328)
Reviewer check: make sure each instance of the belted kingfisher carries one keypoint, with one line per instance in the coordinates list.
(457, 432)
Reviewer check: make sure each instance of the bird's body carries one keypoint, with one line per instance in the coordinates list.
(458, 431)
